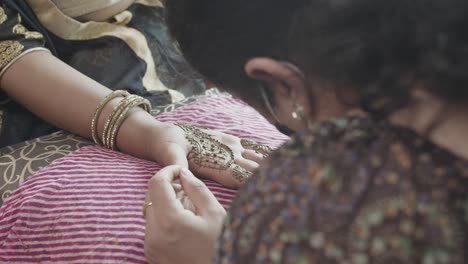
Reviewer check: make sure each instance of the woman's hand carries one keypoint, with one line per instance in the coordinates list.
(223, 158)
(173, 234)
(140, 135)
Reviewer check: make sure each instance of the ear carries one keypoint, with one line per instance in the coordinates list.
(285, 78)
(285, 81)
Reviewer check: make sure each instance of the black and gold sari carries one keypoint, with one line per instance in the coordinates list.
(131, 51)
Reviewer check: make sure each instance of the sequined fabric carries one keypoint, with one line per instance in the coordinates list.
(352, 191)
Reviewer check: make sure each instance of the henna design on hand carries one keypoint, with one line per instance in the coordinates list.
(240, 174)
(206, 151)
(265, 150)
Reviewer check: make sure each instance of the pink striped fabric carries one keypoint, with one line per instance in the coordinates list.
(86, 207)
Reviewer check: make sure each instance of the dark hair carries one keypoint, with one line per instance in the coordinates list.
(218, 37)
(378, 47)
(383, 48)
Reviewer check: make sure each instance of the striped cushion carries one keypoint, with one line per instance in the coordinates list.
(86, 207)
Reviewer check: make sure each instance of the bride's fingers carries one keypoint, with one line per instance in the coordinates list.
(233, 177)
(252, 155)
(265, 150)
(239, 174)
(248, 143)
(247, 164)
(262, 149)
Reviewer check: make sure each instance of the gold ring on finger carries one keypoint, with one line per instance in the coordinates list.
(145, 207)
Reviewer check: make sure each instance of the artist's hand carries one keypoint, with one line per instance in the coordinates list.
(173, 234)
(223, 158)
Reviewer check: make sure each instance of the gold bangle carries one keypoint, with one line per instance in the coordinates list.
(120, 112)
(97, 113)
(140, 101)
(112, 117)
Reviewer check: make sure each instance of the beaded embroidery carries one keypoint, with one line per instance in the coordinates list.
(9, 50)
(22, 30)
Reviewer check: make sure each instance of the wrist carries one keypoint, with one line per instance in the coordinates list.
(167, 144)
(151, 133)
(135, 135)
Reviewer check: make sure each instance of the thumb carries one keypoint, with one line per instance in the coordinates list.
(202, 198)
(175, 155)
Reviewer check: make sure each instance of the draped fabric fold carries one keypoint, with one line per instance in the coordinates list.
(133, 51)
(76, 8)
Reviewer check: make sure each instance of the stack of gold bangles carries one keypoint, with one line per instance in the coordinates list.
(116, 118)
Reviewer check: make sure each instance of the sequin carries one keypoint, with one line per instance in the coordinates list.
(9, 50)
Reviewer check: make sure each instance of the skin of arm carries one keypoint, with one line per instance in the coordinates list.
(67, 99)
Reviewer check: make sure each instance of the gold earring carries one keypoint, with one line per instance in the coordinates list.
(298, 112)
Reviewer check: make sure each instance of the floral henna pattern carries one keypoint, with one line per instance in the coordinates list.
(206, 151)
(240, 174)
(258, 148)
(210, 153)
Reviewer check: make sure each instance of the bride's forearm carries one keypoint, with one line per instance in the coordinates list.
(68, 99)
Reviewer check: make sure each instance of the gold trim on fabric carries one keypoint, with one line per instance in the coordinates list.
(150, 2)
(70, 29)
(89, 12)
(22, 30)
(92, 8)
(19, 56)
(123, 18)
(3, 16)
(9, 50)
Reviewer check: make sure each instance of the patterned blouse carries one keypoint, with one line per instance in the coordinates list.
(352, 191)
